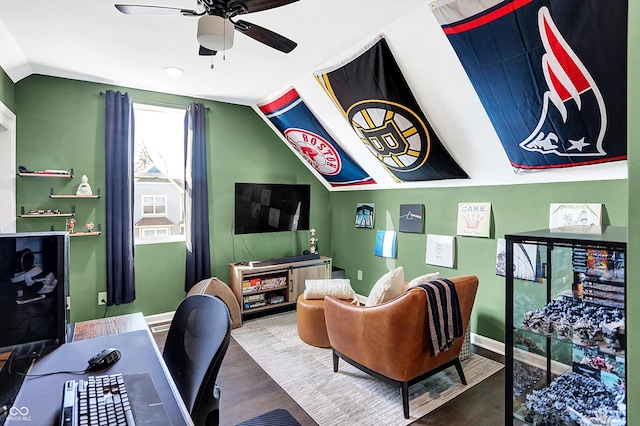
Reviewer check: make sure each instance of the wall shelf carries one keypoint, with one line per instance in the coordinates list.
(42, 174)
(94, 233)
(55, 213)
(46, 213)
(60, 196)
(85, 234)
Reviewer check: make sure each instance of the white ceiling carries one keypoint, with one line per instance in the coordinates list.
(90, 40)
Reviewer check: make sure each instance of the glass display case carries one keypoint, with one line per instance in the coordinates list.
(565, 322)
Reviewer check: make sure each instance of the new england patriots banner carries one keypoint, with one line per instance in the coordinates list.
(376, 100)
(304, 132)
(551, 75)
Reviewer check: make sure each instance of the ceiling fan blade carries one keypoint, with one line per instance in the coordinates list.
(266, 36)
(206, 52)
(133, 9)
(258, 5)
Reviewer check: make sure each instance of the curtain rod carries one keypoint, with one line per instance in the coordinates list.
(158, 103)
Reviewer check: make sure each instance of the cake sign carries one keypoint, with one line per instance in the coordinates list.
(474, 219)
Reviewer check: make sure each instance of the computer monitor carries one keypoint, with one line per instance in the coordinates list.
(34, 287)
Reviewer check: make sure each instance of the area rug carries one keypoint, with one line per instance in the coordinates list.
(348, 396)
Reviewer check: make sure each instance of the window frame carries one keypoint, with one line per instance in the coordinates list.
(158, 200)
(154, 197)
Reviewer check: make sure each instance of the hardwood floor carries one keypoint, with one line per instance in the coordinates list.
(248, 391)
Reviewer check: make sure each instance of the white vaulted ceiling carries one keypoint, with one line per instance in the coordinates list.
(90, 40)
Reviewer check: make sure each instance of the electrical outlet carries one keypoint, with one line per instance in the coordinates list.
(102, 298)
(359, 275)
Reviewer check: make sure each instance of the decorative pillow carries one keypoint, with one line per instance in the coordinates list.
(317, 289)
(423, 279)
(388, 287)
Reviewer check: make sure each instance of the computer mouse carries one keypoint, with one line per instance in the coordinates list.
(103, 359)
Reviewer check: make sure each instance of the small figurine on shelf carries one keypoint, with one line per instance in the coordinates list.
(70, 224)
(89, 226)
(313, 241)
(84, 189)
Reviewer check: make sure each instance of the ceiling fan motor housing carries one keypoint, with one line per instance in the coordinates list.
(215, 32)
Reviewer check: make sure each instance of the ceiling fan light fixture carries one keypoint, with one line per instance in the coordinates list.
(215, 33)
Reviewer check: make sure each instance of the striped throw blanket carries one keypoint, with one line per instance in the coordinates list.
(443, 314)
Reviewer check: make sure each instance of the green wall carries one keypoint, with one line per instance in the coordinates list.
(61, 126)
(514, 209)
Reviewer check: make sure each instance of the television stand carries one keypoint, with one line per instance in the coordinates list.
(274, 283)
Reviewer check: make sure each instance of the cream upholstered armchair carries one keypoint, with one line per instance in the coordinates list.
(391, 341)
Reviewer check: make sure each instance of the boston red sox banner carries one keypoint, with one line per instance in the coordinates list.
(371, 92)
(551, 75)
(304, 132)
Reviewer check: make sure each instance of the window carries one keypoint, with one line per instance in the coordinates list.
(158, 174)
(154, 205)
(153, 232)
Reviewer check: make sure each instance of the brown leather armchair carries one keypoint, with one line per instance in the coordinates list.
(390, 341)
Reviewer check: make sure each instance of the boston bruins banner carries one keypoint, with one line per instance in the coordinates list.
(304, 132)
(551, 75)
(376, 100)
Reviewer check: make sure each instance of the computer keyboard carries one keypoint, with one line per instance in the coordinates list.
(98, 400)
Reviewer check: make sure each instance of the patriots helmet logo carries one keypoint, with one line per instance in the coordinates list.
(573, 119)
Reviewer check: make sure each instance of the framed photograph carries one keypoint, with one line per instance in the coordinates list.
(441, 250)
(412, 218)
(474, 219)
(386, 244)
(365, 214)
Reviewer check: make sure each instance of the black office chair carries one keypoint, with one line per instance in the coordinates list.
(196, 344)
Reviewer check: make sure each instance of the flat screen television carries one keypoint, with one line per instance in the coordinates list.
(33, 288)
(271, 207)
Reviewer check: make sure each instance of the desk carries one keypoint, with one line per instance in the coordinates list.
(109, 326)
(41, 397)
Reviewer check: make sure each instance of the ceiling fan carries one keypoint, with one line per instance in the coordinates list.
(216, 23)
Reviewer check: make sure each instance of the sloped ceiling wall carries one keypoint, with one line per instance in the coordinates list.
(328, 31)
(450, 103)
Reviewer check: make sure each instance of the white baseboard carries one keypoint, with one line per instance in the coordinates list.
(487, 343)
(159, 318)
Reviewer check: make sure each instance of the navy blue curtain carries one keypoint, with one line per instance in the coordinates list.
(196, 196)
(119, 198)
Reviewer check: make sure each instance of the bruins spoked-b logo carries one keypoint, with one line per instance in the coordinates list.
(394, 134)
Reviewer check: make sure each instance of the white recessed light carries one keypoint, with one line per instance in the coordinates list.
(174, 71)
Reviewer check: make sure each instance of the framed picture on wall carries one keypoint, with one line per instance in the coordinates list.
(411, 218)
(474, 219)
(441, 250)
(574, 214)
(365, 215)
(386, 244)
